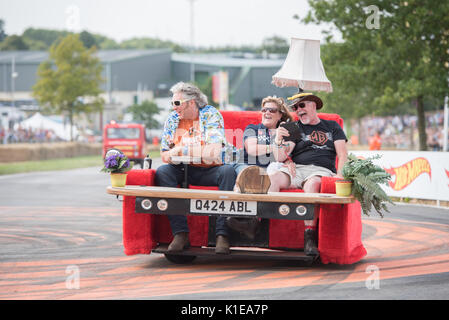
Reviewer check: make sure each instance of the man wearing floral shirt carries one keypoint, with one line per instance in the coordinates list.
(194, 129)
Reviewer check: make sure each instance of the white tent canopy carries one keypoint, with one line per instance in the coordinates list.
(40, 122)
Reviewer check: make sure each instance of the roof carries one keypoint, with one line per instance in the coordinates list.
(224, 60)
(36, 57)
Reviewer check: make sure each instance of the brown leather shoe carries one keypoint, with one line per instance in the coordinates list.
(180, 242)
(222, 245)
(310, 242)
(247, 226)
(252, 179)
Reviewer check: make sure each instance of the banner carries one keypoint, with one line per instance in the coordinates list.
(420, 175)
(220, 88)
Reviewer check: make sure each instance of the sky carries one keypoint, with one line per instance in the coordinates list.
(215, 22)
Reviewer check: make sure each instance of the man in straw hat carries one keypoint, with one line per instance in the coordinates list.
(314, 159)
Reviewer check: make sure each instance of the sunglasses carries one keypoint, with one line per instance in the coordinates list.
(177, 103)
(271, 110)
(298, 105)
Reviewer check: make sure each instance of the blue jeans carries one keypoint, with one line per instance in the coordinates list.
(238, 167)
(170, 175)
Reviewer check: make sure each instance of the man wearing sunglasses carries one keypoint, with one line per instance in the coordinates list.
(194, 129)
(313, 160)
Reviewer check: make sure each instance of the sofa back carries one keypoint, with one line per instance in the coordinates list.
(235, 123)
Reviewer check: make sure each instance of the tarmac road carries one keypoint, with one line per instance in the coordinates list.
(60, 236)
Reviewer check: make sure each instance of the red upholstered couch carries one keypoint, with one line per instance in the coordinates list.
(339, 226)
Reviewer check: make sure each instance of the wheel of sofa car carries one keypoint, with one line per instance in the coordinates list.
(179, 259)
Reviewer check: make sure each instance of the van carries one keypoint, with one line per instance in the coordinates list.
(127, 137)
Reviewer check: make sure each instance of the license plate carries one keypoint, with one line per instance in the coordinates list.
(247, 208)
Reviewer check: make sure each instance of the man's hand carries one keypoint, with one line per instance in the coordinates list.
(281, 132)
(166, 155)
(339, 176)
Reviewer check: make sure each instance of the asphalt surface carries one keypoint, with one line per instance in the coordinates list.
(61, 239)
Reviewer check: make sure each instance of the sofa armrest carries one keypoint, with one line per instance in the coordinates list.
(139, 231)
(137, 177)
(328, 184)
(340, 229)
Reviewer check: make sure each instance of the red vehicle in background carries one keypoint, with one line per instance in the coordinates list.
(127, 137)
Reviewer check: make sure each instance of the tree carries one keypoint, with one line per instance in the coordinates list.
(69, 81)
(145, 113)
(88, 39)
(2, 30)
(45, 36)
(13, 42)
(400, 48)
(275, 44)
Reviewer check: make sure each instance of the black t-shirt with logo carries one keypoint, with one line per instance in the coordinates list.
(319, 148)
(263, 136)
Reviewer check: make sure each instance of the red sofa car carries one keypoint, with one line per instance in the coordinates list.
(339, 226)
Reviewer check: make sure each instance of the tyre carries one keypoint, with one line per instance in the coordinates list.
(179, 259)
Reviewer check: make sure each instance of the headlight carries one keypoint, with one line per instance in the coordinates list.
(162, 205)
(301, 210)
(284, 210)
(146, 204)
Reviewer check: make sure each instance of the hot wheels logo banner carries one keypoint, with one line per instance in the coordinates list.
(420, 175)
(405, 174)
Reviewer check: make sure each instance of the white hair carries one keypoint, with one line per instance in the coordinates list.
(190, 91)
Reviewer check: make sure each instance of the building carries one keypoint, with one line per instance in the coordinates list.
(132, 76)
(249, 75)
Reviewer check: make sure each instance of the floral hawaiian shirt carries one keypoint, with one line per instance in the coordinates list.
(211, 127)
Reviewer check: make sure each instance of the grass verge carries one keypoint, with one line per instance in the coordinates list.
(55, 164)
(50, 165)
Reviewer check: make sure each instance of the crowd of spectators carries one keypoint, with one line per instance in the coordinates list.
(400, 131)
(22, 135)
(396, 132)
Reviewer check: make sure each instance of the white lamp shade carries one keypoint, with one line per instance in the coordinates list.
(303, 67)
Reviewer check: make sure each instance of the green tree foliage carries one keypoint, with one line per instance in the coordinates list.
(88, 39)
(206, 87)
(402, 60)
(69, 82)
(150, 43)
(44, 37)
(145, 113)
(275, 44)
(13, 42)
(2, 30)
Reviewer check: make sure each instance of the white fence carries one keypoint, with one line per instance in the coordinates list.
(421, 175)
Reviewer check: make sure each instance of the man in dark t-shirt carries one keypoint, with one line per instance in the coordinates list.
(314, 152)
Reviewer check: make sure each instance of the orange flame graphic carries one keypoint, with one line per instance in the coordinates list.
(406, 173)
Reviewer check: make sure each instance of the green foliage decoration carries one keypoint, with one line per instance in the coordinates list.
(366, 178)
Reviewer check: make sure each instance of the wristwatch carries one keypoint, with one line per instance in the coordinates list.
(280, 145)
(268, 149)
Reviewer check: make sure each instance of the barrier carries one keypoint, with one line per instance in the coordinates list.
(44, 151)
(415, 174)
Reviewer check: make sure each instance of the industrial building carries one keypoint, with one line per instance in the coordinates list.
(132, 76)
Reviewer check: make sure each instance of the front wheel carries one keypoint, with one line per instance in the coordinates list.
(179, 259)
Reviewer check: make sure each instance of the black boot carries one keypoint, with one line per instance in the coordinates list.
(247, 226)
(222, 245)
(180, 242)
(310, 242)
